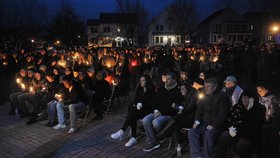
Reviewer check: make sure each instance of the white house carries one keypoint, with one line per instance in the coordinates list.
(160, 31)
(112, 29)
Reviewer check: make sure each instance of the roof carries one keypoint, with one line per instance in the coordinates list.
(114, 18)
(213, 16)
(228, 10)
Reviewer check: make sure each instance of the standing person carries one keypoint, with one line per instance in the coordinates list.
(141, 107)
(210, 119)
(162, 111)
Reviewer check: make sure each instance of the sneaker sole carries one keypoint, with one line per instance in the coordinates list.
(149, 150)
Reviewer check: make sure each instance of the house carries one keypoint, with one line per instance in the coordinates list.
(112, 29)
(266, 26)
(223, 26)
(161, 32)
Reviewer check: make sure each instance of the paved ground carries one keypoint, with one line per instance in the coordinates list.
(20, 140)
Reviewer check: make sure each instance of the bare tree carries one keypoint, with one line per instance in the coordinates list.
(182, 16)
(22, 20)
(134, 7)
(67, 26)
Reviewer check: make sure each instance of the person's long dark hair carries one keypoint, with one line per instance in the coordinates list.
(149, 84)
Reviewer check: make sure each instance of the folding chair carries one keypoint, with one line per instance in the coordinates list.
(89, 94)
(108, 102)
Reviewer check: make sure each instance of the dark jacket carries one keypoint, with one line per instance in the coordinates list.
(146, 98)
(76, 95)
(190, 102)
(253, 120)
(102, 90)
(164, 99)
(213, 110)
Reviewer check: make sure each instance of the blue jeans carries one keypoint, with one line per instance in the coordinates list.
(150, 123)
(73, 108)
(56, 108)
(208, 144)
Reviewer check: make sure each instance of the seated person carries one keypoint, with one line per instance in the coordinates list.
(140, 108)
(102, 89)
(21, 98)
(35, 96)
(73, 98)
(210, 119)
(49, 89)
(19, 88)
(265, 99)
(243, 128)
(163, 110)
(184, 118)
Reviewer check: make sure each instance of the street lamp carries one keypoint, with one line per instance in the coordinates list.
(57, 42)
(79, 36)
(32, 41)
(275, 28)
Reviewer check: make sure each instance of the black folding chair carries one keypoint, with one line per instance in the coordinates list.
(108, 102)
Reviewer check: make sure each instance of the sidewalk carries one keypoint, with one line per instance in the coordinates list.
(20, 140)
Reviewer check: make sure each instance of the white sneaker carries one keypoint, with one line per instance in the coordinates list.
(72, 130)
(131, 142)
(60, 126)
(118, 135)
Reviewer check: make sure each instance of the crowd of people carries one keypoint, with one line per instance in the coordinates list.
(227, 97)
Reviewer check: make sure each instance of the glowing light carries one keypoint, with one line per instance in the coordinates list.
(200, 96)
(192, 57)
(31, 89)
(18, 80)
(22, 86)
(134, 63)
(5, 63)
(275, 28)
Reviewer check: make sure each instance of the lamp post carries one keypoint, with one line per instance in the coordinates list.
(275, 29)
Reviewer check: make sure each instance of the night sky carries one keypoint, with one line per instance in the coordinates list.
(91, 8)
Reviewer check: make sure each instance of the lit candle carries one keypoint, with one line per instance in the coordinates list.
(201, 58)
(200, 96)
(5, 63)
(192, 57)
(215, 59)
(22, 86)
(134, 63)
(18, 80)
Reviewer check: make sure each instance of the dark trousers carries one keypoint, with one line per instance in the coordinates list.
(184, 121)
(98, 107)
(242, 146)
(13, 101)
(35, 103)
(132, 117)
(270, 141)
